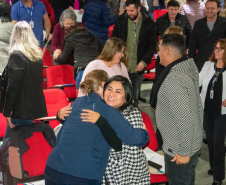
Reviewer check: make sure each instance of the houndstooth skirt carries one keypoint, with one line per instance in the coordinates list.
(129, 166)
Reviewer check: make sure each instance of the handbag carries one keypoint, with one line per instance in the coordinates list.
(3, 87)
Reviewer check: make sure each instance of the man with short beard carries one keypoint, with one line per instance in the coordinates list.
(205, 33)
(137, 29)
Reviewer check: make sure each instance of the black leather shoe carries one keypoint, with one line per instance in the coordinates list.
(216, 182)
(210, 172)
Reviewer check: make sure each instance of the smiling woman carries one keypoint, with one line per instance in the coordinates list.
(212, 79)
(113, 59)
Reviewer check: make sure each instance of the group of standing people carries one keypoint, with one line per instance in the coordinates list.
(110, 76)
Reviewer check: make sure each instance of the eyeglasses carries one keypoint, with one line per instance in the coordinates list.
(122, 51)
(218, 49)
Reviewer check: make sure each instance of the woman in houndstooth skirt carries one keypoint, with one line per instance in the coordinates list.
(128, 167)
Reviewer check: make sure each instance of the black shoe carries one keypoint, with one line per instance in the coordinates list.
(216, 182)
(210, 172)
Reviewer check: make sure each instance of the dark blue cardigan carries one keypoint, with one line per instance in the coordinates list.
(97, 18)
(81, 150)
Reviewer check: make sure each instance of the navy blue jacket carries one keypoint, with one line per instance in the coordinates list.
(97, 18)
(81, 149)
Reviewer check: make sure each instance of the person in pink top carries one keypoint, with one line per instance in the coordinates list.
(113, 59)
(67, 19)
(194, 10)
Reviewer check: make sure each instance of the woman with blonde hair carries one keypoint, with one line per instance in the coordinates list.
(212, 79)
(22, 96)
(113, 59)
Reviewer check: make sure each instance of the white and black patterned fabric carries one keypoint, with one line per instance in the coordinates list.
(128, 167)
(179, 111)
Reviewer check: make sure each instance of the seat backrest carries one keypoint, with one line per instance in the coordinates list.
(151, 65)
(34, 160)
(159, 13)
(55, 100)
(47, 58)
(152, 144)
(59, 75)
(3, 125)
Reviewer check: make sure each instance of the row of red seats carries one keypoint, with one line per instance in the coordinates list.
(34, 160)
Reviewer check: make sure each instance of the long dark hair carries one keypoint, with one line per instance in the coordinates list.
(5, 11)
(127, 86)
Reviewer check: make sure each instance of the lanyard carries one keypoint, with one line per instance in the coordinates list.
(216, 77)
(29, 11)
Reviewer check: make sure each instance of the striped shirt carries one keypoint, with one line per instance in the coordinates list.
(193, 10)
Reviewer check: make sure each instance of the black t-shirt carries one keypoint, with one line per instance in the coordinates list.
(214, 105)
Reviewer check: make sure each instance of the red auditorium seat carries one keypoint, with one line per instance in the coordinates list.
(62, 76)
(159, 13)
(47, 61)
(153, 145)
(32, 164)
(150, 75)
(55, 100)
(3, 125)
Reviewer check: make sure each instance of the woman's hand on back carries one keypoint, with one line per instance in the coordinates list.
(64, 112)
(89, 116)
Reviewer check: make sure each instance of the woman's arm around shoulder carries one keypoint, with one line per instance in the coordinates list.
(125, 131)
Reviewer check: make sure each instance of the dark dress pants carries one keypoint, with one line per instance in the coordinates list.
(215, 128)
(136, 80)
(53, 177)
(181, 174)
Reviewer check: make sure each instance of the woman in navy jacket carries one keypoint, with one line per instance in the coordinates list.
(81, 153)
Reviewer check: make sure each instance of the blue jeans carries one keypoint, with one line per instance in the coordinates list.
(151, 15)
(53, 177)
(181, 174)
(17, 122)
(79, 78)
(136, 80)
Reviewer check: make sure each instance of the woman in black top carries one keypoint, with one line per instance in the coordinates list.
(83, 46)
(24, 98)
(212, 79)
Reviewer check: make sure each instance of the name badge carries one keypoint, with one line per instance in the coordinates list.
(211, 94)
(31, 24)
